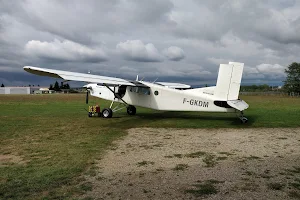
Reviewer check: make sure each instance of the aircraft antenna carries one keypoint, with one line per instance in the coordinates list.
(155, 80)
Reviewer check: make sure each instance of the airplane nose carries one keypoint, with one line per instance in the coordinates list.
(88, 87)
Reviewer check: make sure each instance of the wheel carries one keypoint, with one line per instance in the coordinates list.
(107, 113)
(244, 120)
(90, 114)
(131, 110)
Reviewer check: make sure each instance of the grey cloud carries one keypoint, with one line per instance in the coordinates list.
(262, 34)
(247, 19)
(174, 53)
(64, 51)
(80, 20)
(136, 50)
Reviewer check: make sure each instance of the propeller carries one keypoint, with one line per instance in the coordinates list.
(88, 89)
(87, 97)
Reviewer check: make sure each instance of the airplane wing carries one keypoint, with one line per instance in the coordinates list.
(74, 76)
(174, 85)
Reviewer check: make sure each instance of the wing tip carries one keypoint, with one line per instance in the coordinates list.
(27, 67)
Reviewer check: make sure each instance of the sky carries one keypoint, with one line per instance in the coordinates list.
(167, 40)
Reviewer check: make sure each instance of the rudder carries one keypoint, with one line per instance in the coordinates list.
(229, 81)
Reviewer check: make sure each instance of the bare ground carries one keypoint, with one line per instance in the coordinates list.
(200, 164)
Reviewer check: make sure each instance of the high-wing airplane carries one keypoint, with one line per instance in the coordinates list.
(161, 95)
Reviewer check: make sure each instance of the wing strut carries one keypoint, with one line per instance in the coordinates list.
(116, 94)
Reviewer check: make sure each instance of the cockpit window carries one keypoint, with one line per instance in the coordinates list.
(140, 90)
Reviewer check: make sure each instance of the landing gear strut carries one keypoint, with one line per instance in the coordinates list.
(108, 112)
(243, 119)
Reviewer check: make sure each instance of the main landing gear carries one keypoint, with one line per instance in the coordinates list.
(243, 119)
(108, 112)
(131, 110)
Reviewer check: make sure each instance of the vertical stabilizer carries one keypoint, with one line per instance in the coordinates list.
(229, 81)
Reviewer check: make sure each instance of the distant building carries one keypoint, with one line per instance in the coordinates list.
(43, 91)
(19, 90)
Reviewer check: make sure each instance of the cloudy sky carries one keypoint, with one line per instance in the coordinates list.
(172, 40)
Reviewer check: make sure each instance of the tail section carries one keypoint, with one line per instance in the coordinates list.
(229, 81)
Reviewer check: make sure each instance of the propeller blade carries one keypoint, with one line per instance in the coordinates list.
(87, 97)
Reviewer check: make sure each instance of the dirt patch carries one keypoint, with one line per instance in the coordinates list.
(200, 163)
(9, 159)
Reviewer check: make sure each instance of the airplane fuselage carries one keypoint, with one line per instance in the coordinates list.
(161, 98)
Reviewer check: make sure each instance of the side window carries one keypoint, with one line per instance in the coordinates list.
(140, 90)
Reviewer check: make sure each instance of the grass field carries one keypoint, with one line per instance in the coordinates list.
(47, 141)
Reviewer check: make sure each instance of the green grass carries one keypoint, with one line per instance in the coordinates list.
(204, 188)
(55, 142)
(197, 154)
(145, 163)
(275, 186)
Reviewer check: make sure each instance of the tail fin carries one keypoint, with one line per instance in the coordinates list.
(229, 81)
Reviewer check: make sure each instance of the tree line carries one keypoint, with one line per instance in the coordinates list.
(57, 87)
(258, 88)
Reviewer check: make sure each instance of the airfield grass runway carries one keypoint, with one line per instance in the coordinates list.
(50, 149)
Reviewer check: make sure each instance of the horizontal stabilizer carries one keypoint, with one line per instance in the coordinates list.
(238, 104)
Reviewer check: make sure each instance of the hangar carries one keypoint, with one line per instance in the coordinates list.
(18, 90)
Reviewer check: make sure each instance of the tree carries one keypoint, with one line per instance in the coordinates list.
(292, 82)
(56, 86)
(64, 86)
(67, 86)
(2, 85)
(51, 87)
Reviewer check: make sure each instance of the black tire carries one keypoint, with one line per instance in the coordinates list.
(90, 114)
(244, 120)
(131, 110)
(107, 113)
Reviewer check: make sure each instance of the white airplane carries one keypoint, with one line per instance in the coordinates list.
(161, 95)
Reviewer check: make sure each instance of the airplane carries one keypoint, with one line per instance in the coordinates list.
(163, 96)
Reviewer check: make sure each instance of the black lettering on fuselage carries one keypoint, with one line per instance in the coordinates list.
(205, 104)
(194, 102)
(200, 103)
